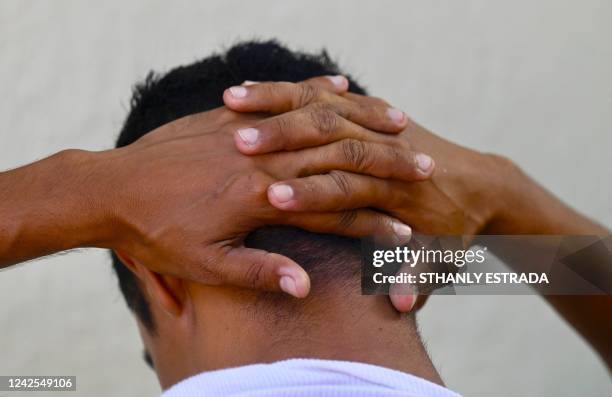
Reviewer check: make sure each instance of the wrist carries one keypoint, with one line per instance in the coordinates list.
(84, 191)
(517, 199)
(50, 206)
(503, 186)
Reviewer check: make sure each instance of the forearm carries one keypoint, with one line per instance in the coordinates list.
(49, 206)
(530, 209)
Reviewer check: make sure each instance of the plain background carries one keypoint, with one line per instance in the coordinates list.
(528, 79)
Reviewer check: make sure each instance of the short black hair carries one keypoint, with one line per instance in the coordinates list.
(198, 87)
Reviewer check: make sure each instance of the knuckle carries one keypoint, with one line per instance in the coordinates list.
(342, 182)
(347, 219)
(355, 153)
(382, 224)
(207, 272)
(363, 108)
(324, 119)
(386, 160)
(270, 89)
(306, 187)
(282, 125)
(306, 94)
(395, 154)
(254, 274)
(209, 277)
(395, 159)
(354, 111)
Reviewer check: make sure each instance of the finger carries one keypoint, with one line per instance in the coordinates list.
(369, 158)
(272, 97)
(365, 101)
(403, 302)
(403, 296)
(258, 269)
(336, 191)
(281, 97)
(354, 223)
(299, 129)
(336, 84)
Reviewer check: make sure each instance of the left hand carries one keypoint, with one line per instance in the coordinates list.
(462, 196)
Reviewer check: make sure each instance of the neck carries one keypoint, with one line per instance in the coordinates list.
(359, 328)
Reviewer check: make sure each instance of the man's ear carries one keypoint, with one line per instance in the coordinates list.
(167, 292)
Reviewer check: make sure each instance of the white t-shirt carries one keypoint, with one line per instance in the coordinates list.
(307, 378)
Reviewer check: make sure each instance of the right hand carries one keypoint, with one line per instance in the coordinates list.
(188, 198)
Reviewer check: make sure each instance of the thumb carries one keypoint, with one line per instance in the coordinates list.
(258, 269)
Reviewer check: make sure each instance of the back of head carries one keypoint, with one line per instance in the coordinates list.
(198, 87)
(227, 327)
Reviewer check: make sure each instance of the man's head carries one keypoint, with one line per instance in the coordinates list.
(189, 327)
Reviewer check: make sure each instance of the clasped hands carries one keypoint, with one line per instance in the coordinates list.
(307, 154)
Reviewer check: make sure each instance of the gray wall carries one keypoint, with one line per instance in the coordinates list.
(529, 79)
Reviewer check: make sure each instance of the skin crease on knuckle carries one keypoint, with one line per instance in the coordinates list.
(269, 90)
(397, 161)
(342, 182)
(283, 126)
(324, 120)
(306, 95)
(206, 268)
(347, 219)
(374, 108)
(309, 191)
(372, 112)
(254, 274)
(355, 153)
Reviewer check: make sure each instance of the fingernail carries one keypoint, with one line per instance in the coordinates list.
(338, 80)
(396, 115)
(424, 162)
(404, 303)
(249, 82)
(402, 230)
(238, 91)
(249, 135)
(287, 284)
(282, 193)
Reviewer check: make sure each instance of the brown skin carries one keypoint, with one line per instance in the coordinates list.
(468, 193)
(78, 199)
(170, 200)
(453, 202)
(202, 328)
